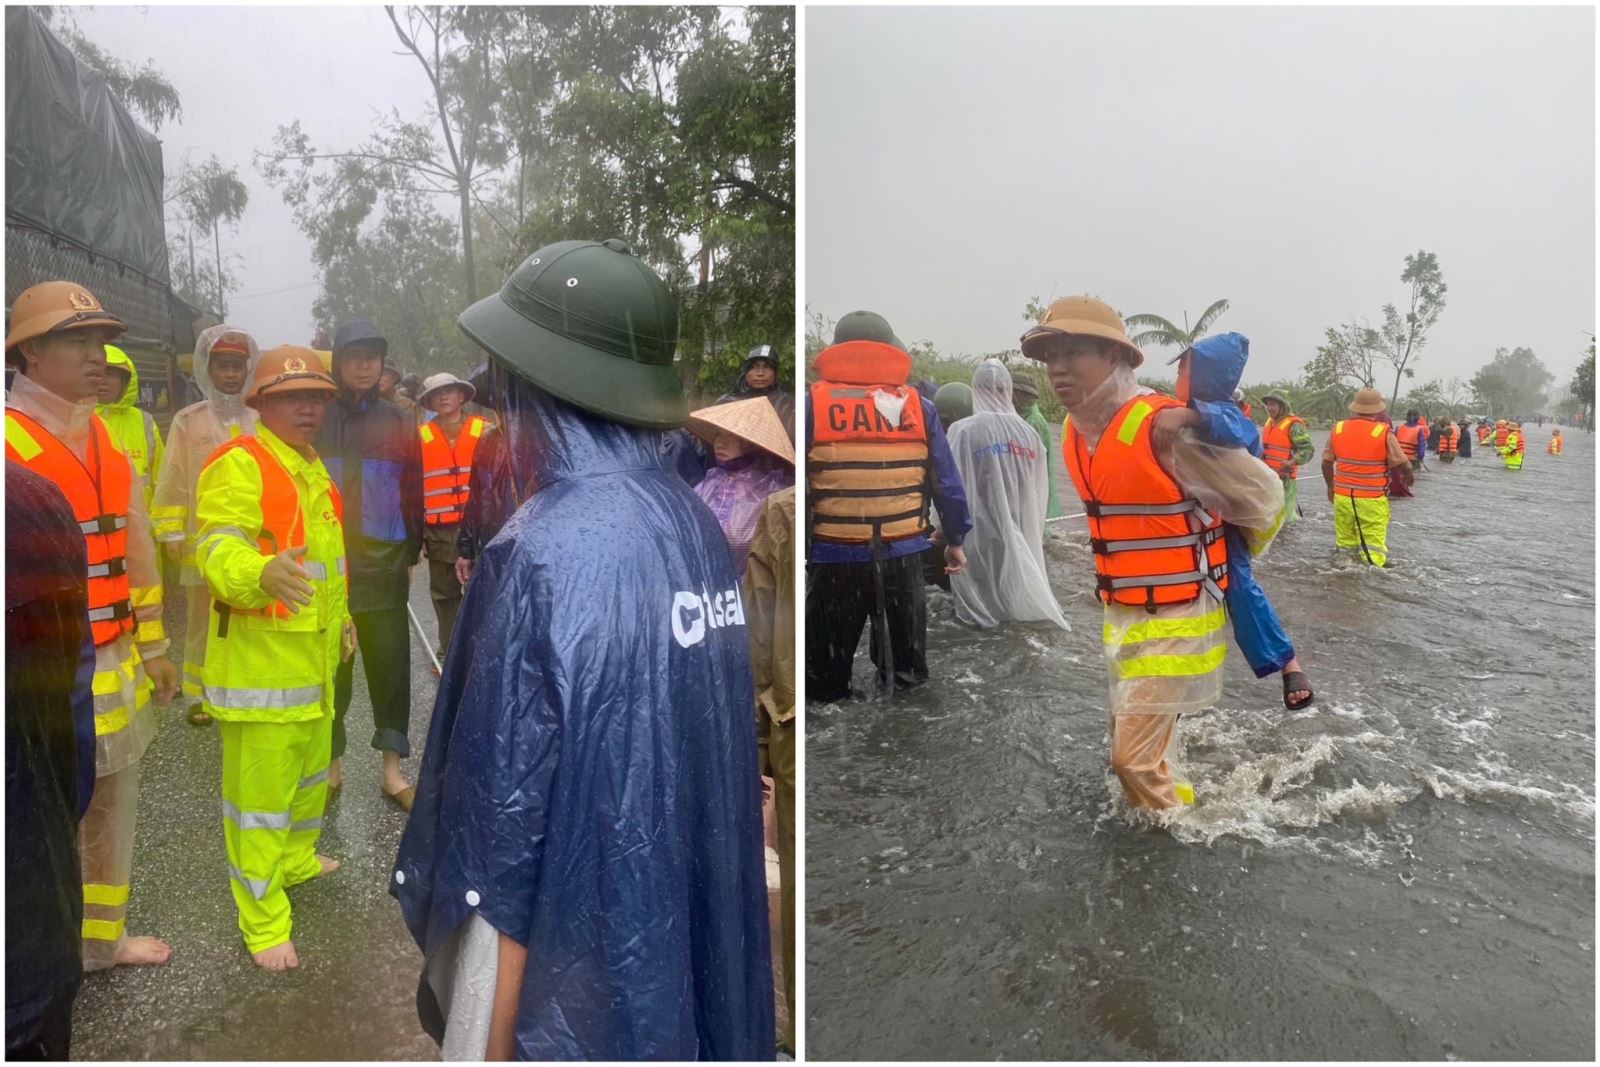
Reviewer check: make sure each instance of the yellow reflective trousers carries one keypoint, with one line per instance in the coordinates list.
(274, 790)
(1361, 526)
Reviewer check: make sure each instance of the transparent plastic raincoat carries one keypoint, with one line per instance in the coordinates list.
(196, 432)
(589, 788)
(1167, 663)
(1006, 473)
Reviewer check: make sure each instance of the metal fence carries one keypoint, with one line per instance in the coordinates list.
(33, 256)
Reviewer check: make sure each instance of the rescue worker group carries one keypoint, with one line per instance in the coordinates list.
(293, 501)
(911, 484)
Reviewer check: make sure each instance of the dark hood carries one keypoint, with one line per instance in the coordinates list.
(358, 329)
(551, 440)
(763, 354)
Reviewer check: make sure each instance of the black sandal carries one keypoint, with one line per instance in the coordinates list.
(198, 716)
(1297, 682)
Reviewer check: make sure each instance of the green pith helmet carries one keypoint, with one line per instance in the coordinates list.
(590, 323)
(953, 401)
(1024, 384)
(865, 326)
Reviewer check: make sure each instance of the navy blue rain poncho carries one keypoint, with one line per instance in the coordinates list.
(590, 786)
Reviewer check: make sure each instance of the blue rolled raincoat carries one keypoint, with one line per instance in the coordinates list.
(1214, 372)
(590, 785)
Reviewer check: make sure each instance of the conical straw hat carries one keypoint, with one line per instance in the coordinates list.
(753, 420)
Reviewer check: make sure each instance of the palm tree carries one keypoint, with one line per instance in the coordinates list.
(1155, 330)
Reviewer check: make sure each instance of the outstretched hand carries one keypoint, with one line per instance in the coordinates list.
(284, 579)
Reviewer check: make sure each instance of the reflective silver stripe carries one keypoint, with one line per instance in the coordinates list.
(103, 614)
(1147, 509)
(256, 820)
(102, 570)
(344, 567)
(307, 824)
(1135, 544)
(1161, 579)
(222, 531)
(437, 474)
(93, 526)
(257, 889)
(263, 698)
(439, 511)
(1364, 464)
(315, 780)
(318, 572)
(439, 492)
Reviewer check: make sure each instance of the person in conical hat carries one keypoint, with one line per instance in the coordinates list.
(754, 459)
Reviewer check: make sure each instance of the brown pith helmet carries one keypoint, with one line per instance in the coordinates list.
(1080, 316)
(1368, 401)
(52, 306)
(288, 369)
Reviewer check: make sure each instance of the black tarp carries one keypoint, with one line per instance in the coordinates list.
(77, 164)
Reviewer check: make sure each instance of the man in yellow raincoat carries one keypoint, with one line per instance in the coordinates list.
(272, 552)
(132, 428)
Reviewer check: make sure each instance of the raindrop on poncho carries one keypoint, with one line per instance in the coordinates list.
(1006, 474)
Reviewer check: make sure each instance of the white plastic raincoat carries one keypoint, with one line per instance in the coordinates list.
(1006, 473)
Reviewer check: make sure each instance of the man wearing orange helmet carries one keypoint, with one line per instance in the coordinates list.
(57, 342)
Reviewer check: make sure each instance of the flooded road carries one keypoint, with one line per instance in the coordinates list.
(1404, 870)
(354, 995)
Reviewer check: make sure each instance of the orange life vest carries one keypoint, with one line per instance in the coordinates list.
(1153, 544)
(446, 470)
(1361, 458)
(867, 471)
(1409, 437)
(282, 523)
(1449, 438)
(1277, 449)
(97, 489)
(1484, 433)
(1555, 445)
(1500, 436)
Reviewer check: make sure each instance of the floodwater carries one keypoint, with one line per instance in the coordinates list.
(354, 995)
(1404, 870)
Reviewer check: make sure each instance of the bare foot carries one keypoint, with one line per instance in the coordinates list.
(328, 864)
(143, 952)
(394, 781)
(335, 775)
(277, 958)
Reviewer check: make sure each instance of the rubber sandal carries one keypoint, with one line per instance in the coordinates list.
(405, 798)
(198, 716)
(1295, 681)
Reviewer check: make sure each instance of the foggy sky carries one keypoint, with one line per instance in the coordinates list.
(242, 72)
(959, 160)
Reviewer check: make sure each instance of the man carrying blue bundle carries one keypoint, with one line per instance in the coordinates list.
(1208, 375)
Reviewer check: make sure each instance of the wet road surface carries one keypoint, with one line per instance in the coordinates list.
(354, 995)
(1404, 870)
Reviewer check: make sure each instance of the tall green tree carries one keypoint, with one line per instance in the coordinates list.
(1512, 384)
(1582, 387)
(1403, 335)
(1155, 330)
(205, 197)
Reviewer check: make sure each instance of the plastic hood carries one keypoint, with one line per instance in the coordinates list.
(116, 357)
(551, 440)
(991, 388)
(1216, 367)
(1095, 413)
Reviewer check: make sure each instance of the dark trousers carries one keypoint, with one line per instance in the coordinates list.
(44, 1038)
(840, 599)
(446, 593)
(384, 640)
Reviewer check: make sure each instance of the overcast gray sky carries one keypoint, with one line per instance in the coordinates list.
(242, 72)
(959, 160)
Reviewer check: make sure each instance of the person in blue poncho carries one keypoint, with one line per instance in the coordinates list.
(1208, 378)
(584, 868)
